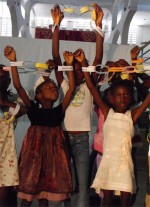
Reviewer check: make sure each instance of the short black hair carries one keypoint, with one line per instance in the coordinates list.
(124, 83)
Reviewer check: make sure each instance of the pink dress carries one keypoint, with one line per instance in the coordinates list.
(98, 137)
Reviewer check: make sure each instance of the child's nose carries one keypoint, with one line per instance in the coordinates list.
(122, 96)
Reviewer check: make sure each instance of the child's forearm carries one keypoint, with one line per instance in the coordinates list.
(15, 75)
(55, 45)
(7, 104)
(71, 78)
(70, 75)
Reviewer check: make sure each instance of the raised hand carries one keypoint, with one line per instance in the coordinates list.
(68, 56)
(57, 15)
(122, 63)
(10, 53)
(51, 64)
(135, 52)
(99, 14)
(79, 55)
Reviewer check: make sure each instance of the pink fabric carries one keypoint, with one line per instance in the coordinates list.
(98, 137)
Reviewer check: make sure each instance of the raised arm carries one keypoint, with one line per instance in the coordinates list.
(10, 54)
(99, 38)
(68, 56)
(142, 80)
(137, 112)
(57, 16)
(80, 56)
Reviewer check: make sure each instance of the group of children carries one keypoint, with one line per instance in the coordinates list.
(60, 134)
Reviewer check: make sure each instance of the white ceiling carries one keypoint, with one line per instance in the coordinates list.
(43, 7)
(141, 17)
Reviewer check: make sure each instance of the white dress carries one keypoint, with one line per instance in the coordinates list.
(8, 156)
(116, 171)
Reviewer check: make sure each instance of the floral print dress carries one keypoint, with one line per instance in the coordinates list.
(8, 156)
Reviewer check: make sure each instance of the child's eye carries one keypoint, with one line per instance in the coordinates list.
(127, 95)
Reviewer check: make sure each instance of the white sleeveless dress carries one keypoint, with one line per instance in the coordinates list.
(116, 171)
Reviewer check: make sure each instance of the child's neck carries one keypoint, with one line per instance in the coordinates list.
(47, 105)
(120, 111)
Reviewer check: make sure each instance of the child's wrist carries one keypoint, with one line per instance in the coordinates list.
(65, 68)
(99, 31)
(99, 25)
(68, 64)
(83, 63)
(55, 26)
(15, 60)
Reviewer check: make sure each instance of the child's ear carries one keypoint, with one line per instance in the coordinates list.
(39, 96)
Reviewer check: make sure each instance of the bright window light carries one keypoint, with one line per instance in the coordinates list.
(23, 11)
(5, 20)
(132, 34)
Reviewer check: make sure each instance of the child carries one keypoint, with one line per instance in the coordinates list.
(77, 119)
(97, 148)
(116, 172)
(8, 157)
(44, 170)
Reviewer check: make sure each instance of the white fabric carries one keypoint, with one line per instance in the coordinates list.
(78, 113)
(14, 111)
(38, 82)
(65, 68)
(116, 170)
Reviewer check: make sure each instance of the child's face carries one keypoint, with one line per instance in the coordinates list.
(48, 92)
(121, 99)
(4, 79)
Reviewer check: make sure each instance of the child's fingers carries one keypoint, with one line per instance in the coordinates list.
(78, 52)
(97, 7)
(7, 49)
(68, 53)
(56, 6)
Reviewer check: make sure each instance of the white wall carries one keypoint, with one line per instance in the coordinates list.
(143, 35)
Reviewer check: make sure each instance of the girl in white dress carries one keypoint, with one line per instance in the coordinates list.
(116, 173)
